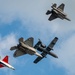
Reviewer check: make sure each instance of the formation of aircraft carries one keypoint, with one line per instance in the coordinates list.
(45, 50)
(4, 63)
(57, 12)
(25, 47)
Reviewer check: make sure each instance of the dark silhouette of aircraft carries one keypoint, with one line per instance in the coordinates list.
(45, 50)
(57, 12)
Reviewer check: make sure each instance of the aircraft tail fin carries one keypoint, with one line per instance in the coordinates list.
(21, 39)
(5, 59)
(54, 5)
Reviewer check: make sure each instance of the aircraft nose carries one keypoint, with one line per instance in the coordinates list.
(56, 56)
(38, 54)
(13, 68)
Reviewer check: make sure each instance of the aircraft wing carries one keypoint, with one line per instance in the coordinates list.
(18, 53)
(52, 17)
(29, 41)
(37, 44)
(51, 45)
(40, 58)
(61, 7)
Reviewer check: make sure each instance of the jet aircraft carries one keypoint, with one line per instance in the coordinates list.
(25, 47)
(57, 12)
(45, 50)
(4, 63)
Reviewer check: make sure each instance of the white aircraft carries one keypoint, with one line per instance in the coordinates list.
(4, 63)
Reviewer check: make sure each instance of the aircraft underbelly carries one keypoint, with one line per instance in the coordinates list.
(61, 16)
(55, 11)
(28, 51)
(5, 64)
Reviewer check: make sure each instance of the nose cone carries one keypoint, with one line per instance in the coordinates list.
(38, 54)
(12, 68)
(52, 54)
(67, 19)
(56, 56)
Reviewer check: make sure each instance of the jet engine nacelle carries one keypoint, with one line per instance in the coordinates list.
(42, 45)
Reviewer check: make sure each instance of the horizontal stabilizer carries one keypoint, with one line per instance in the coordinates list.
(48, 12)
(13, 48)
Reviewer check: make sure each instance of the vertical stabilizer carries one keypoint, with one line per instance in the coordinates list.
(6, 59)
(54, 5)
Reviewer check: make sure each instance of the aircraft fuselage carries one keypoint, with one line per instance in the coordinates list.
(27, 49)
(6, 65)
(59, 13)
(47, 52)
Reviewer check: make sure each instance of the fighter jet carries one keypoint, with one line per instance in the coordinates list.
(57, 12)
(45, 50)
(25, 47)
(4, 63)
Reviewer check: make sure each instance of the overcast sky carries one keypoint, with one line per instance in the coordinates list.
(27, 18)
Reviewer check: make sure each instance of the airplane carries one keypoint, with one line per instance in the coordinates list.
(57, 12)
(4, 63)
(25, 47)
(45, 50)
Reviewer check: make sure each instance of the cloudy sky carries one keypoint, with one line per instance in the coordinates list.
(26, 18)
